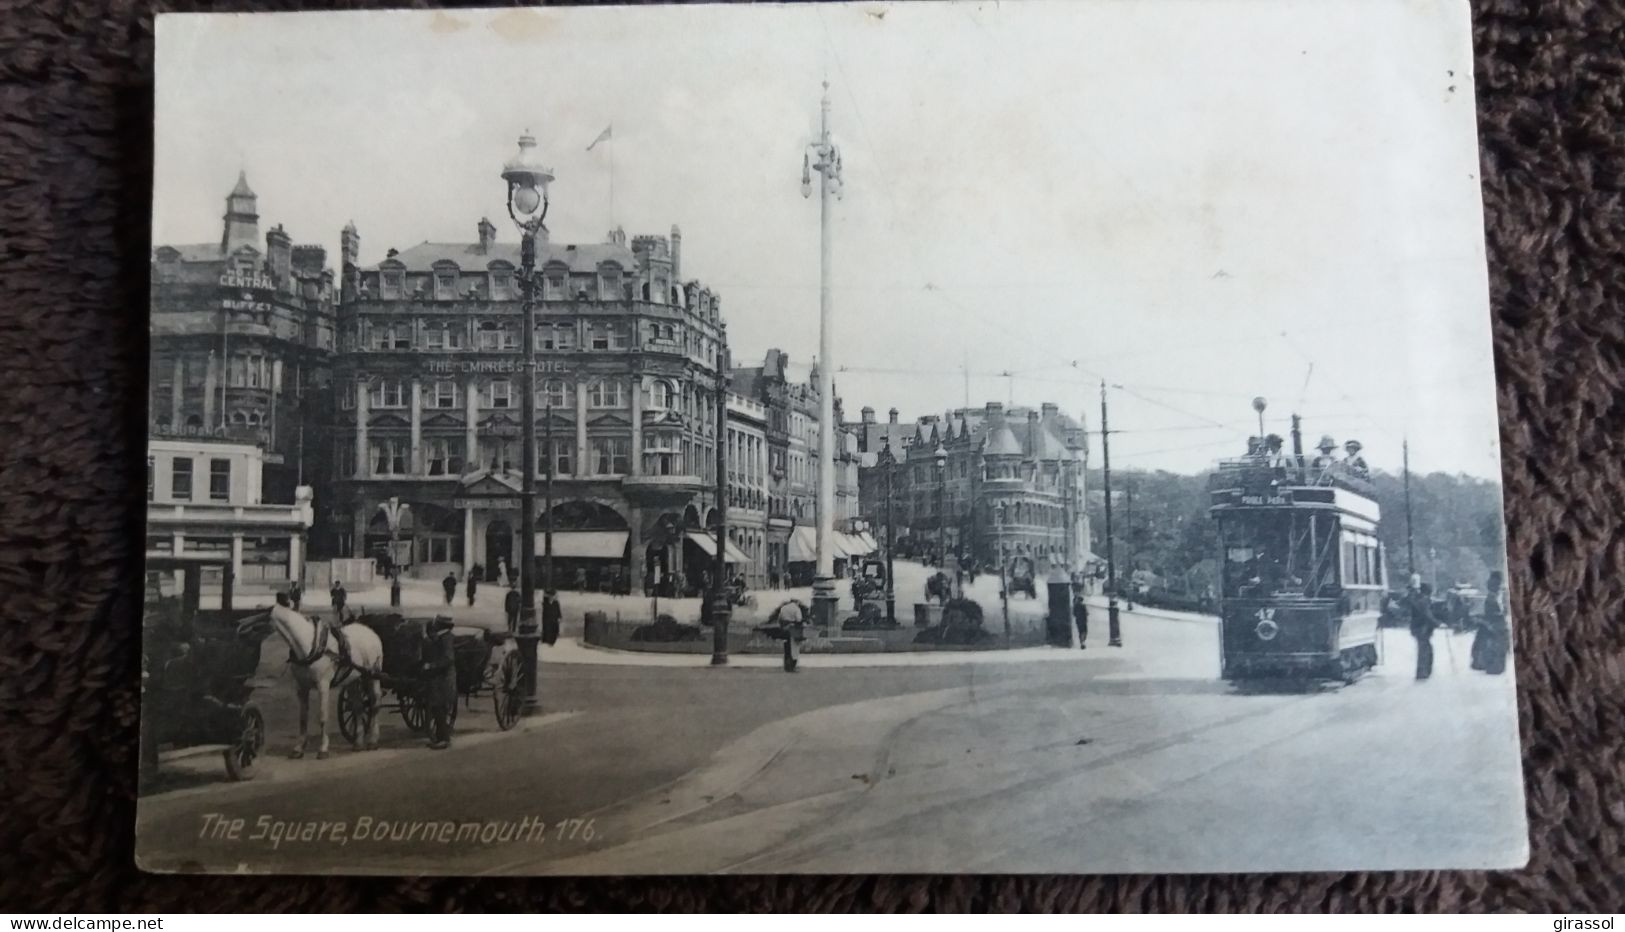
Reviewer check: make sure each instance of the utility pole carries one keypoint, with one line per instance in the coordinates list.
(1410, 544)
(1133, 560)
(824, 158)
(1114, 629)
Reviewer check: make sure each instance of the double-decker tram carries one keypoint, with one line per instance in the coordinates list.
(1302, 572)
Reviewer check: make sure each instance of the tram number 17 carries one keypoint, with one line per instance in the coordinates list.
(1266, 614)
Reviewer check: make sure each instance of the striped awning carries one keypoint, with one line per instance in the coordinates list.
(708, 543)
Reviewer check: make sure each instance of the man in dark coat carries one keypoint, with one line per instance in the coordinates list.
(450, 585)
(1080, 617)
(552, 617)
(1491, 642)
(296, 592)
(439, 674)
(510, 606)
(1420, 604)
(339, 596)
(472, 586)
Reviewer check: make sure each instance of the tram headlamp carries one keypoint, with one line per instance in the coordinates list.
(1267, 630)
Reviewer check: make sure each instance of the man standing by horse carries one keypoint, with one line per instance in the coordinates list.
(440, 680)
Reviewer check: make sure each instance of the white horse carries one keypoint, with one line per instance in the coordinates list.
(318, 663)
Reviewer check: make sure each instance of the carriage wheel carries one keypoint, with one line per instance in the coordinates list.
(355, 710)
(506, 692)
(250, 742)
(414, 714)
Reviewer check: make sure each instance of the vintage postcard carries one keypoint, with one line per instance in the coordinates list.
(872, 437)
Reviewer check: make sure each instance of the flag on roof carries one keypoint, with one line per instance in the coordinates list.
(602, 136)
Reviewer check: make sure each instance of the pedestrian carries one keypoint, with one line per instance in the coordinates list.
(472, 587)
(792, 624)
(510, 606)
(1419, 601)
(339, 597)
(295, 593)
(502, 571)
(450, 585)
(439, 673)
(552, 617)
(1493, 639)
(1080, 617)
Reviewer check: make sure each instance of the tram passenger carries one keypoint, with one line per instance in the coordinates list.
(1328, 453)
(1273, 452)
(1354, 462)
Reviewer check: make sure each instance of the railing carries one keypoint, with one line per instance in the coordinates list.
(1260, 471)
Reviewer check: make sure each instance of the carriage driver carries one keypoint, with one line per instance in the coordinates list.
(439, 680)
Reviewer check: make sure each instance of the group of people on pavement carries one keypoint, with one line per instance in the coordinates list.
(1491, 642)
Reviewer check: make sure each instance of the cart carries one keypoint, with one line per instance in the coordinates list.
(195, 670)
(487, 664)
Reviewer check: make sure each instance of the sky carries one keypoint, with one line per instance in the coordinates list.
(1198, 202)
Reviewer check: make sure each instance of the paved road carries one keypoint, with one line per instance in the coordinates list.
(1108, 760)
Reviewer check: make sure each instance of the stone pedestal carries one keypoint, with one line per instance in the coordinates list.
(824, 603)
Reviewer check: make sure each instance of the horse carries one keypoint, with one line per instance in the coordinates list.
(322, 657)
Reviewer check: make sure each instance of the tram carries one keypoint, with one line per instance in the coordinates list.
(1302, 572)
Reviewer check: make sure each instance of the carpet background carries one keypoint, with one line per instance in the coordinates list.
(75, 153)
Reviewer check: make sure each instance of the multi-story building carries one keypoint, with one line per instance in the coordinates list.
(429, 378)
(1010, 484)
(748, 483)
(242, 335)
(206, 495)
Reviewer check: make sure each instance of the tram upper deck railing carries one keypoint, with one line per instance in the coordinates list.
(1256, 472)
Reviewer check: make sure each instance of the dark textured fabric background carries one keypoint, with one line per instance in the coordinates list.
(75, 150)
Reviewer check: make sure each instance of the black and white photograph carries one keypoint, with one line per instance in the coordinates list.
(841, 438)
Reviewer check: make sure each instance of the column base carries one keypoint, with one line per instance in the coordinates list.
(824, 603)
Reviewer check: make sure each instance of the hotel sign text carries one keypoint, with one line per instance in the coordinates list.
(491, 366)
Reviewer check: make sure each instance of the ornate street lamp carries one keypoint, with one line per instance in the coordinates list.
(888, 464)
(942, 513)
(394, 512)
(527, 180)
(721, 610)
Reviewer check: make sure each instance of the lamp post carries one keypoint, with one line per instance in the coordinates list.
(527, 180)
(942, 513)
(888, 463)
(394, 513)
(1259, 404)
(720, 609)
(824, 158)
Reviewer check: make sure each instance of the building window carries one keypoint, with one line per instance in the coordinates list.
(389, 457)
(445, 456)
(445, 286)
(219, 480)
(388, 393)
(556, 336)
(392, 283)
(598, 336)
(605, 393)
(446, 394)
(558, 393)
(660, 395)
(609, 284)
(497, 393)
(442, 335)
(498, 454)
(494, 336)
(563, 454)
(501, 286)
(611, 456)
(661, 453)
(180, 480)
(344, 456)
(553, 285)
(440, 548)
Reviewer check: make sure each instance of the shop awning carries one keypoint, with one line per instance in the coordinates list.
(594, 545)
(869, 544)
(803, 545)
(708, 543)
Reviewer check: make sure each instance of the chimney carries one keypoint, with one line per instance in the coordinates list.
(868, 414)
(279, 254)
(892, 415)
(1050, 409)
(1032, 434)
(488, 235)
(310, 260)
(676, 252)
(349, 256)
(995, 409)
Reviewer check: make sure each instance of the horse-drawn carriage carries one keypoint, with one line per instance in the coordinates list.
(1022, 578)
(487, 664)
(195, 670)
